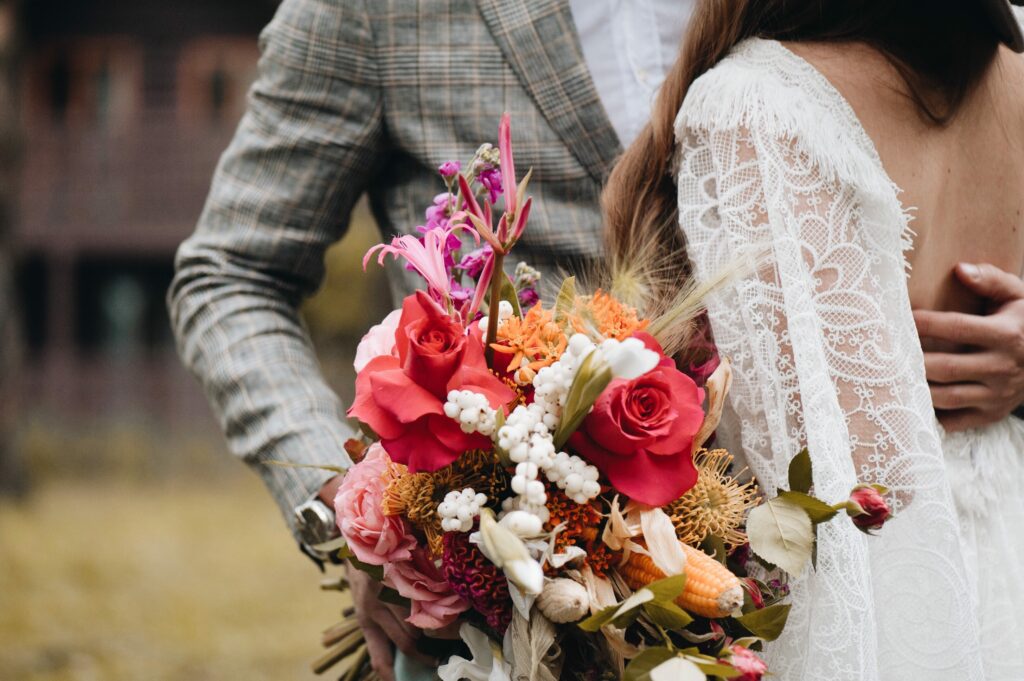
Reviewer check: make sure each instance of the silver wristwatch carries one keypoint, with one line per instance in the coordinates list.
(315, 526)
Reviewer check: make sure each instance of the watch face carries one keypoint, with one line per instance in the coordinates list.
(316, 523)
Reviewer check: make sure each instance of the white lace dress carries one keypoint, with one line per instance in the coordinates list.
(772, 159)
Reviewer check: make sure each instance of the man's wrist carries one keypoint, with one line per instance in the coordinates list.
(316, 526)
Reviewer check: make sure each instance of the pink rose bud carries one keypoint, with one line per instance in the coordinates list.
(867, 507)
(750, 666)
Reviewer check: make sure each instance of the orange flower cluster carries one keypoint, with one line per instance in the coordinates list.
(534, 341)
(581, 522)
(606, 315)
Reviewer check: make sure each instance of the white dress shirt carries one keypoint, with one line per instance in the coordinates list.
(629, 45)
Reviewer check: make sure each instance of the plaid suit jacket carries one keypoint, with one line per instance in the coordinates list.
(359, 96)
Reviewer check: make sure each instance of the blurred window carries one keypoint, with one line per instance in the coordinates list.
(120, 305)
(214, 74)
(32, 284)
(93, 81)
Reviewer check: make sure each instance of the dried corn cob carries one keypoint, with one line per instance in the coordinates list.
(711, 590)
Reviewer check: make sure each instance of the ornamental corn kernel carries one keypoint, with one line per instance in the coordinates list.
(711, 590)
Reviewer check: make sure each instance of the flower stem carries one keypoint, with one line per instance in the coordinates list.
(492, 315)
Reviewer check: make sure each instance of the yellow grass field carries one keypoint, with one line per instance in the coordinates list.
(103, 580)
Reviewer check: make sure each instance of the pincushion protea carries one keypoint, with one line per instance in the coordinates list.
(716, 505)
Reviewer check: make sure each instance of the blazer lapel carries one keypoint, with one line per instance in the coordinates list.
(539, 40)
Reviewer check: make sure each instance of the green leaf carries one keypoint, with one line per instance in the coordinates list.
(712, 667)
(599, 619)
(817, 510)
(714, 546)
(667, 590)
(389, 595)
(640, 667)
(566, 300)
(780, 532)
(375, 571)
(508, 293)
(590, 381)
(800, 478)
(629, 609)
(766, 623)
(668, 615)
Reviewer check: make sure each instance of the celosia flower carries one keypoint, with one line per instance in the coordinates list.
(477, 579)
(434, 603)
(449, 168)
(402, 398)
(373, 537)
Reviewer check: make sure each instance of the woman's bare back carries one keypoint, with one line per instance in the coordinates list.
(965, 180)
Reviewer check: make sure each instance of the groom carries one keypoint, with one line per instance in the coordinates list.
(367, 96)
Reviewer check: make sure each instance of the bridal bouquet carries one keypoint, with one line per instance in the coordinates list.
(537, 475)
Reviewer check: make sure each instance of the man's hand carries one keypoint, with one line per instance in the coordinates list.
(383, 624)
(976, 388)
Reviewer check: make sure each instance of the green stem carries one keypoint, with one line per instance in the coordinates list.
(492, 318)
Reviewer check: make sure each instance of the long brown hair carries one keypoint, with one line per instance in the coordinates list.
(941, 49)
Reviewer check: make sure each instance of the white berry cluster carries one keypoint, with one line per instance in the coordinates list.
(460, 509)
(472, 411)
(575, 477)
(527, 436)
(505, 311)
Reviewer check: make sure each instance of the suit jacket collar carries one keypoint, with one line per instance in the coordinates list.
(539, 40)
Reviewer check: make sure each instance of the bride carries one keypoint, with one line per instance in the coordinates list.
(867, 146)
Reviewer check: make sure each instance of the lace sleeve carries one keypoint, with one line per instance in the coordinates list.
(825, 355)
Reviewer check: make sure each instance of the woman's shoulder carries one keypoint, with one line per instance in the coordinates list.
(760, 82)
(765, 90)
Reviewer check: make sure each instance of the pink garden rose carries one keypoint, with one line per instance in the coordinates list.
(378, 341)
(434, 604)
(401, 397)
(373, 537)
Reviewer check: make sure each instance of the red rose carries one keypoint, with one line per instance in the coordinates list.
(640, 433)
(870, 510)
(402, 398)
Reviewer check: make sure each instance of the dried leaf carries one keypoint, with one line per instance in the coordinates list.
(780, 532)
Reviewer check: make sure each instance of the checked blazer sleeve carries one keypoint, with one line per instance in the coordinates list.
(283, 191)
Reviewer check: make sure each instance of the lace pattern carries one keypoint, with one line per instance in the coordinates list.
(773, 161)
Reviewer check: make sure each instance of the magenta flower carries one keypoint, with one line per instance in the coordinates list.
(473, 263)
(439, 211)
(528, 297)
(491, 181)
(449, 168)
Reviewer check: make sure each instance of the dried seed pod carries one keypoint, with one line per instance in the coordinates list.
(563, 601)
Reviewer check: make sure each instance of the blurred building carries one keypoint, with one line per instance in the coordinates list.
(125, 108)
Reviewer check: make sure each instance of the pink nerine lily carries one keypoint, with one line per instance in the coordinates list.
(508, 167)
(427, 258)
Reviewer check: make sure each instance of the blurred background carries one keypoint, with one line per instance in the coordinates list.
(132, 545)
